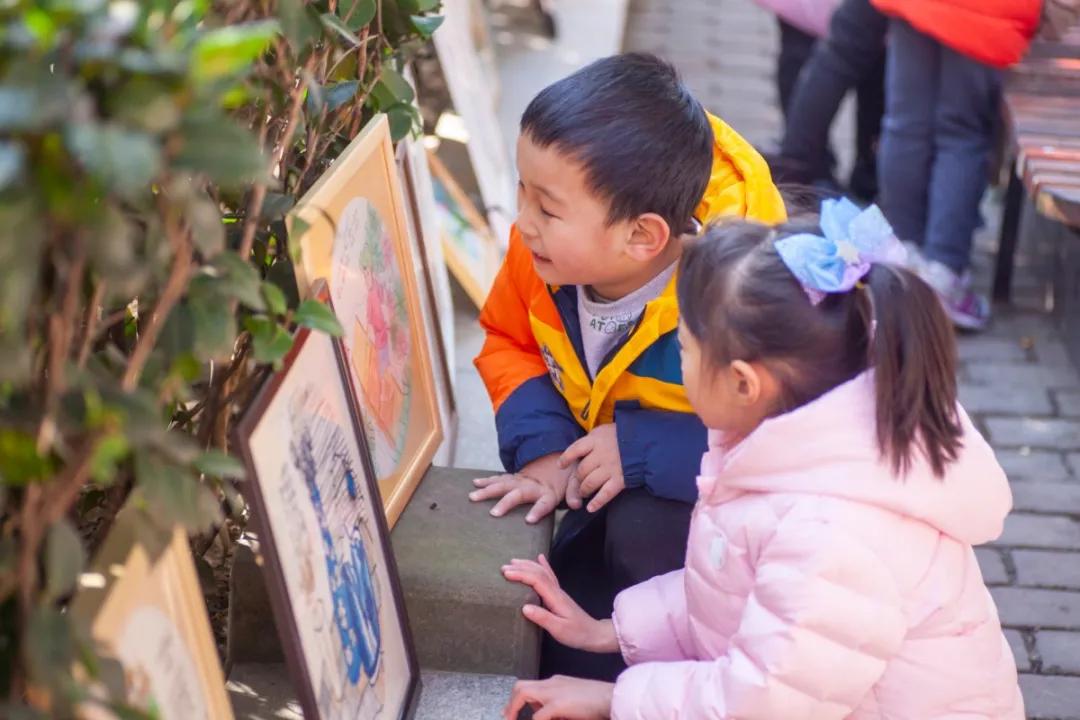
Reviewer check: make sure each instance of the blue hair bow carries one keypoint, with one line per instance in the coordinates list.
(854, 240)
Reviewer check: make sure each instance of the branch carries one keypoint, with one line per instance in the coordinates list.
(61, 335)
(174, 289)
(90, 325)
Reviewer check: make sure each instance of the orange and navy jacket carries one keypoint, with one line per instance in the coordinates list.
(532, 361)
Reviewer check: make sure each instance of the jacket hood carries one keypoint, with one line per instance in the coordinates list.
(741, 184)
(829, 447)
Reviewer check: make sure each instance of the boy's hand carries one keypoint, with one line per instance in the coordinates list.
(561, 616)
(561, 698)
(599, 465)
(542, 482)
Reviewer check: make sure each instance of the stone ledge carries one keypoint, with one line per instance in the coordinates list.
(465, 618)
(263, 691)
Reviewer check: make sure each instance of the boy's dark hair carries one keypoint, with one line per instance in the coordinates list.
(738, 298)
(644, 141)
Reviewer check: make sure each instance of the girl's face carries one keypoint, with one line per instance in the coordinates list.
(734, 398)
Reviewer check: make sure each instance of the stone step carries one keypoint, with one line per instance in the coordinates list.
(262, 691)
(465, 617)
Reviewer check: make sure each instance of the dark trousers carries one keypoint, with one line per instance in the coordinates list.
(637, 536)
(939, 131)
(852, 56)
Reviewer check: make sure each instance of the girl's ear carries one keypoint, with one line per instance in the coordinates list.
(748, 381)
(649, 236)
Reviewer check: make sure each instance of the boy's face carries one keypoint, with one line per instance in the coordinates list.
(565, 225)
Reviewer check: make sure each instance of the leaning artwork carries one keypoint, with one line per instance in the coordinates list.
(327, 556)
(351, 231)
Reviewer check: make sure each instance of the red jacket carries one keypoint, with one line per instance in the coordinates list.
(995, 32)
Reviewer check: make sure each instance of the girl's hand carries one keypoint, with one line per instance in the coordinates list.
(561, 698)
(562, 618)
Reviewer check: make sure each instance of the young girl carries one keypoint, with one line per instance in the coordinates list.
(830, 570)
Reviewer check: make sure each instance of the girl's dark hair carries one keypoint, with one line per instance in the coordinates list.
(740, 301)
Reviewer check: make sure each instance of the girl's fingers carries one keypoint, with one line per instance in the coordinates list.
(544, 618)
(523, 694)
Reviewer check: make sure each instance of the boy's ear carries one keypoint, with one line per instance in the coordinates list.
(649, 236)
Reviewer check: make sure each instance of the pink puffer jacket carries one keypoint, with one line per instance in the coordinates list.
(817, 585)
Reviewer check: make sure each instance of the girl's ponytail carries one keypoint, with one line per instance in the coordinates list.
(913, 354)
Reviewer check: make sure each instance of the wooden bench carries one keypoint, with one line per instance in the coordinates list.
(1041, 109)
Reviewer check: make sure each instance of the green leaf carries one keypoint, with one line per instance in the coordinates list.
(392, 89)
(109, 453)
(299, 23)
(240, 280)
(145, 104)
(401, 121)
(275, 298)
(12, 160)
(316, 97)
(317, 316)
(175, 494)
(220, 464)
(283, 275)
(418, 6)
(124, 160)
(333, 22)
(207, 230)
(340, 93)
(229, 50)
(357, 13)
(49, 646)
(276, 205)
(227, 153)
(64, 560)
(427, 26)
(20, 462)
(114, 254)
(270, 342)
(214, 326)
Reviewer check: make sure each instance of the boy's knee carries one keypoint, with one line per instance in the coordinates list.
(646, 536)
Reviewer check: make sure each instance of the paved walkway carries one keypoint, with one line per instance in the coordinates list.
(1016, 380)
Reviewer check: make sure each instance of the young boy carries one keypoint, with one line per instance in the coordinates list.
(616, 162)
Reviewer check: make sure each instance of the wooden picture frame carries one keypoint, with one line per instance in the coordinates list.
(144, 605)
(351, 230)
(471, 251)
(334, 586)
(428, 251)
(464, 51)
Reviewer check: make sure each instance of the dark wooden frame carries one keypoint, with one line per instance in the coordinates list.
(280, 601)
(405, 166)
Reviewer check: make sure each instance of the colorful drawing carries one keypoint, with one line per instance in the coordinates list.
(472, 254)
(313, 491)
(368, 279)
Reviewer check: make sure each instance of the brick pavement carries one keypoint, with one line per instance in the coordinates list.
(1015, 379)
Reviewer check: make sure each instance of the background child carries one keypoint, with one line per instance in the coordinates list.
(942, 88)
(581, 358)
(830, 570)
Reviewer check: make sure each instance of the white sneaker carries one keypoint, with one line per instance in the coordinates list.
(966, 308)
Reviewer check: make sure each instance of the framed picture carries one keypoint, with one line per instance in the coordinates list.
(471, 252)
(143, 603)
(462, 45)
(351, 231)
(333, 584)
(438, 308)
